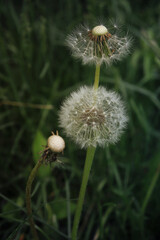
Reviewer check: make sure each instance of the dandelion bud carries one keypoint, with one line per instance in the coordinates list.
(56, 143)
(99, 44)
(93, 117)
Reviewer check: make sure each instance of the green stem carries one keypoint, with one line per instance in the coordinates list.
(150, 190)
(86, 172)
(97, 74)
(28, 199)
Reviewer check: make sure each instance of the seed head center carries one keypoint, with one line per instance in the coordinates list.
(93, 116)
(99, 34)
(99, 30)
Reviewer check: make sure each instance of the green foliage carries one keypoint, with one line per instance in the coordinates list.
(36, 68)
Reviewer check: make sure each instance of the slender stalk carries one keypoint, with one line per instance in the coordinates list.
(68, 209)
(22, 104)
(28, 199)
(86, 172)
(97, 74)
(150, 190)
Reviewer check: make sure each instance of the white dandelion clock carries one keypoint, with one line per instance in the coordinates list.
(99, 44)
(93, 117)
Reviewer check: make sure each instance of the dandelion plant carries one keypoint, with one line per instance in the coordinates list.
(94, 116)
(55, 145)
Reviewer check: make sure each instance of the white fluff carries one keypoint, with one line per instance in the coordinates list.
(93, 117)
(96, 52)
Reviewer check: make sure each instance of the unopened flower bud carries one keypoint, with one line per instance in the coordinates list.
(56, 143)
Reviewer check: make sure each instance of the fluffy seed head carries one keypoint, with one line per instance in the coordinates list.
(98, 44)
(93, 117)
(56, 143)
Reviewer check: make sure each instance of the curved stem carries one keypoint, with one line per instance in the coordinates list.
(86, 172)
(97, 74)
(28, 199)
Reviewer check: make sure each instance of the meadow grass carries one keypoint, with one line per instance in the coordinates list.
(122, 200)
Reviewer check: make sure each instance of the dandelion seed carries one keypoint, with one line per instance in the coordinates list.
(99, 44)
(100, 118)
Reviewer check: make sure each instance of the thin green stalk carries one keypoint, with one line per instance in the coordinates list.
(97, 74)
(150, 190)
(86, 172)
(28, 199)
(68, 209)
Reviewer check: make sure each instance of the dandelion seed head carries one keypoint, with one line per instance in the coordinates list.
(99, 44)
(93, 117)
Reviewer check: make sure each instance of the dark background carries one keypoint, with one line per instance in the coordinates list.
(36, 68)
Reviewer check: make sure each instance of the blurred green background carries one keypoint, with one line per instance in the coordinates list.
(122, 200)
